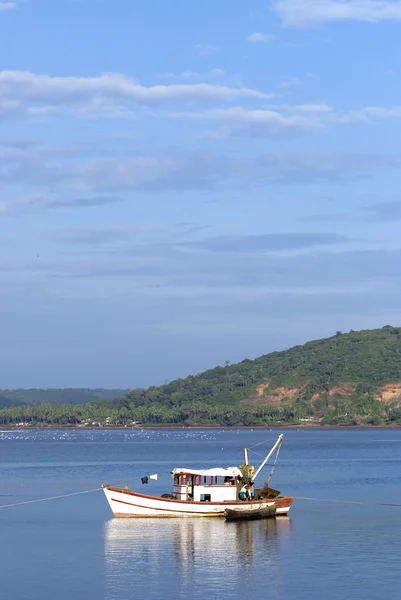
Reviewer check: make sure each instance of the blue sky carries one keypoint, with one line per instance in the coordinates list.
(185, 183)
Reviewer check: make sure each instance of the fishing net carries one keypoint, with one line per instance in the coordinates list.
(266, 492)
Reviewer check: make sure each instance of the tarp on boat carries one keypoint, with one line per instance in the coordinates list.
(216, 472)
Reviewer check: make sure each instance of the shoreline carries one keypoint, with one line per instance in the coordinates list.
(200, 427)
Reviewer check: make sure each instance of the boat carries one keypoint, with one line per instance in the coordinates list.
(201, 493)
(233, 514)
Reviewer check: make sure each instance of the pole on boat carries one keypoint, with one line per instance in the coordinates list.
(246, 456)
(276, 445)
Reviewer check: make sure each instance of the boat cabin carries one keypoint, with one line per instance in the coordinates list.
(210, 485)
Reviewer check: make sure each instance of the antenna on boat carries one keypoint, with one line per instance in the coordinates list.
(246, 456)
(276, 446)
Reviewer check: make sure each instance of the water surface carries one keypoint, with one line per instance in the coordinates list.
(73, 548)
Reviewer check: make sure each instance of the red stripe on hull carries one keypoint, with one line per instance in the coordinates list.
(185, 512)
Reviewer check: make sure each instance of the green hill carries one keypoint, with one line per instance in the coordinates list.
(349, 379)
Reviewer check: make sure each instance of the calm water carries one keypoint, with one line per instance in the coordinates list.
(72, 548)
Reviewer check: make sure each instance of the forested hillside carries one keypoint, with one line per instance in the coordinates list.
(350, 379)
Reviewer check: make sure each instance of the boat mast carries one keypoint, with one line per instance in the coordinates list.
(276, 446)
(246, 456)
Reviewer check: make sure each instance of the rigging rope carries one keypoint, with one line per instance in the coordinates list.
(260, 443)
(254, 452)
(274, 464)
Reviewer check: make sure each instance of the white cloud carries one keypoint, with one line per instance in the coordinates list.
(212, 74)
(199, 171)
(25, 93)
(96, 181)
(371, 113)
(242, 122)
(303, 108)
(40, 202)
(303, 13)
(328, 114)
(261, 37)
(289, 83)
(205, 49)
(24, 206)
(316, 108)
(7, 6)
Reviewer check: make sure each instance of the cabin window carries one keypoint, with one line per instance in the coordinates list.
(205, 497)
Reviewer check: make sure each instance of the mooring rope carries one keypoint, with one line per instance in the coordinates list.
(49, 498)
(358, 502)
(347, 501)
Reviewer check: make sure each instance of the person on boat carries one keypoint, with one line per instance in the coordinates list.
(247, 492)
(242, 493)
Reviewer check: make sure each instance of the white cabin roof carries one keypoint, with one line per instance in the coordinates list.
(216, 472)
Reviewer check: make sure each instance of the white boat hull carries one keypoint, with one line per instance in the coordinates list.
(125, 503)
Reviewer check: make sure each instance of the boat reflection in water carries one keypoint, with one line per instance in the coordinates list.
(190, 558)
